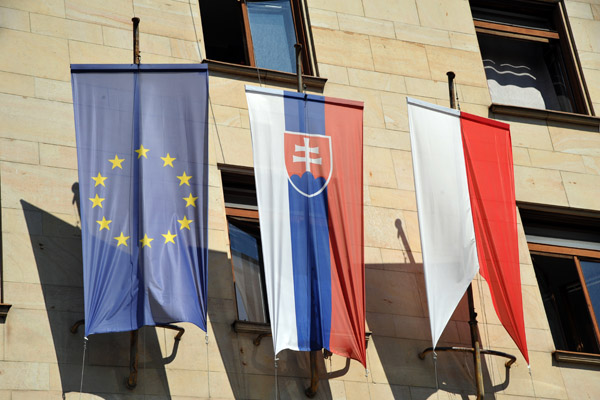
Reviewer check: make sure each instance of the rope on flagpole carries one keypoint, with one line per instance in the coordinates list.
(485, 319)
(437, 385)
(275, 359)
(212, 111)
(207, 366)
(85, 340)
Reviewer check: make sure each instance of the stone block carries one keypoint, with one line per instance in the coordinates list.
(14, 221)
(155, 44)
(547, 378)
(521, 156)
(35, 326)
(50, 7)
(467, 65)
(372, 255)
(391, 139)
(227, 92)
(404, 11)
(403, 170)
(167, 18)
(378, 167)
(395, 111)
(393, 198)
(583, 191)
(421, 34)
(366, 26)
(574, 139)
(592, 78)
(356, 390)
(237, 145)
(19, 151)
(53, 187)
(475, 94)
(533, 184)
(49, 89)
(22, 85)
(190, 353)
(376, 80)
(426, 88)
(464, 41)
(556, 160)
(324, 19)
(220, 386)
(402, 260)
(576, 9)
(226, 116)
(592, 164)
(220, 276)
(35, 55)
(393, 292)
(596, 11)
(87, 53)
(452, 15)
(533, 134)
(334, 47)
(58, 156)
(14, 19)
(25, 295)
(580, 383)
(589, 60)
(24, 375)
(400, 58)
(334, 74)
(350, 7)
(185, 49)
(586, 34)
(381, 230)
(115, 37)
(66, 28)
(115, 13)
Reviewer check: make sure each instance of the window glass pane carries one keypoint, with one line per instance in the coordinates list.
(245, 252)
(524, 73)
(564, 302)
(223, 31)
(591, 274)
(273, 34)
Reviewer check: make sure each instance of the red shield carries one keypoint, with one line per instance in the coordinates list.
(308, 162)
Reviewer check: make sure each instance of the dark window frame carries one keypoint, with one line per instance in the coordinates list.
(303, 36)
(243, 209)
(560, 34)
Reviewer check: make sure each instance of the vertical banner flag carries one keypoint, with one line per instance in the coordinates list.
(466, 205)
(142, 139)
(309, 185)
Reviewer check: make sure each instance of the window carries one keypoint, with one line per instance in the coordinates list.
(527, 55)
(244, 238)
(565, 251)
(256, 33)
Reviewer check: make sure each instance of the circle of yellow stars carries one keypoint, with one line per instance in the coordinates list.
(104, 224)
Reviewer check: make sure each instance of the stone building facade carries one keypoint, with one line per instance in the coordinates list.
(375, 51)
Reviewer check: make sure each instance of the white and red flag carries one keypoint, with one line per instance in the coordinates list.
(465, 190)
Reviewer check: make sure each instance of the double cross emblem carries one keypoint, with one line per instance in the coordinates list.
(308, 160)
(307, 152)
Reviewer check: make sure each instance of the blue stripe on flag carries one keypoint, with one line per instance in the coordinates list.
(309, 234)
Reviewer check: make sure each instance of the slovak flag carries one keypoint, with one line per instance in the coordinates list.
(309, 185)
(465, 191)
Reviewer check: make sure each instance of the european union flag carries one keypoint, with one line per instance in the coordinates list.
(142, 137)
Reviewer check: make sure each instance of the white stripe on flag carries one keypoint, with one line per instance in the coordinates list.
(267, 124)
(445, 219)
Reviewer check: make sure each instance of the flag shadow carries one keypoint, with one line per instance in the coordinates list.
(248, 363)
(397, 315)
(56, 246)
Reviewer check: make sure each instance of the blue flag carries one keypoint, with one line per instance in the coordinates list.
(142, 138)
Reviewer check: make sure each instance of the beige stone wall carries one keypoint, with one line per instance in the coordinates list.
(375, 51)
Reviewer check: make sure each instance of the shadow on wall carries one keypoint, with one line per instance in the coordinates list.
(397, 315)
(57, 249)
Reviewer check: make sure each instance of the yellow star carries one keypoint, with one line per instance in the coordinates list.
(169, 237)
(185, 223)
(104, 224)
(99, 180)
(116, 162)
(142, 151)
(168, 161)
(121, 239)
(184, 179)
(190, 201)
(146, 241)
(97, 201)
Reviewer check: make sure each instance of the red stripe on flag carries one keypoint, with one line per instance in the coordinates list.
(489, 162)
(343, 122)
